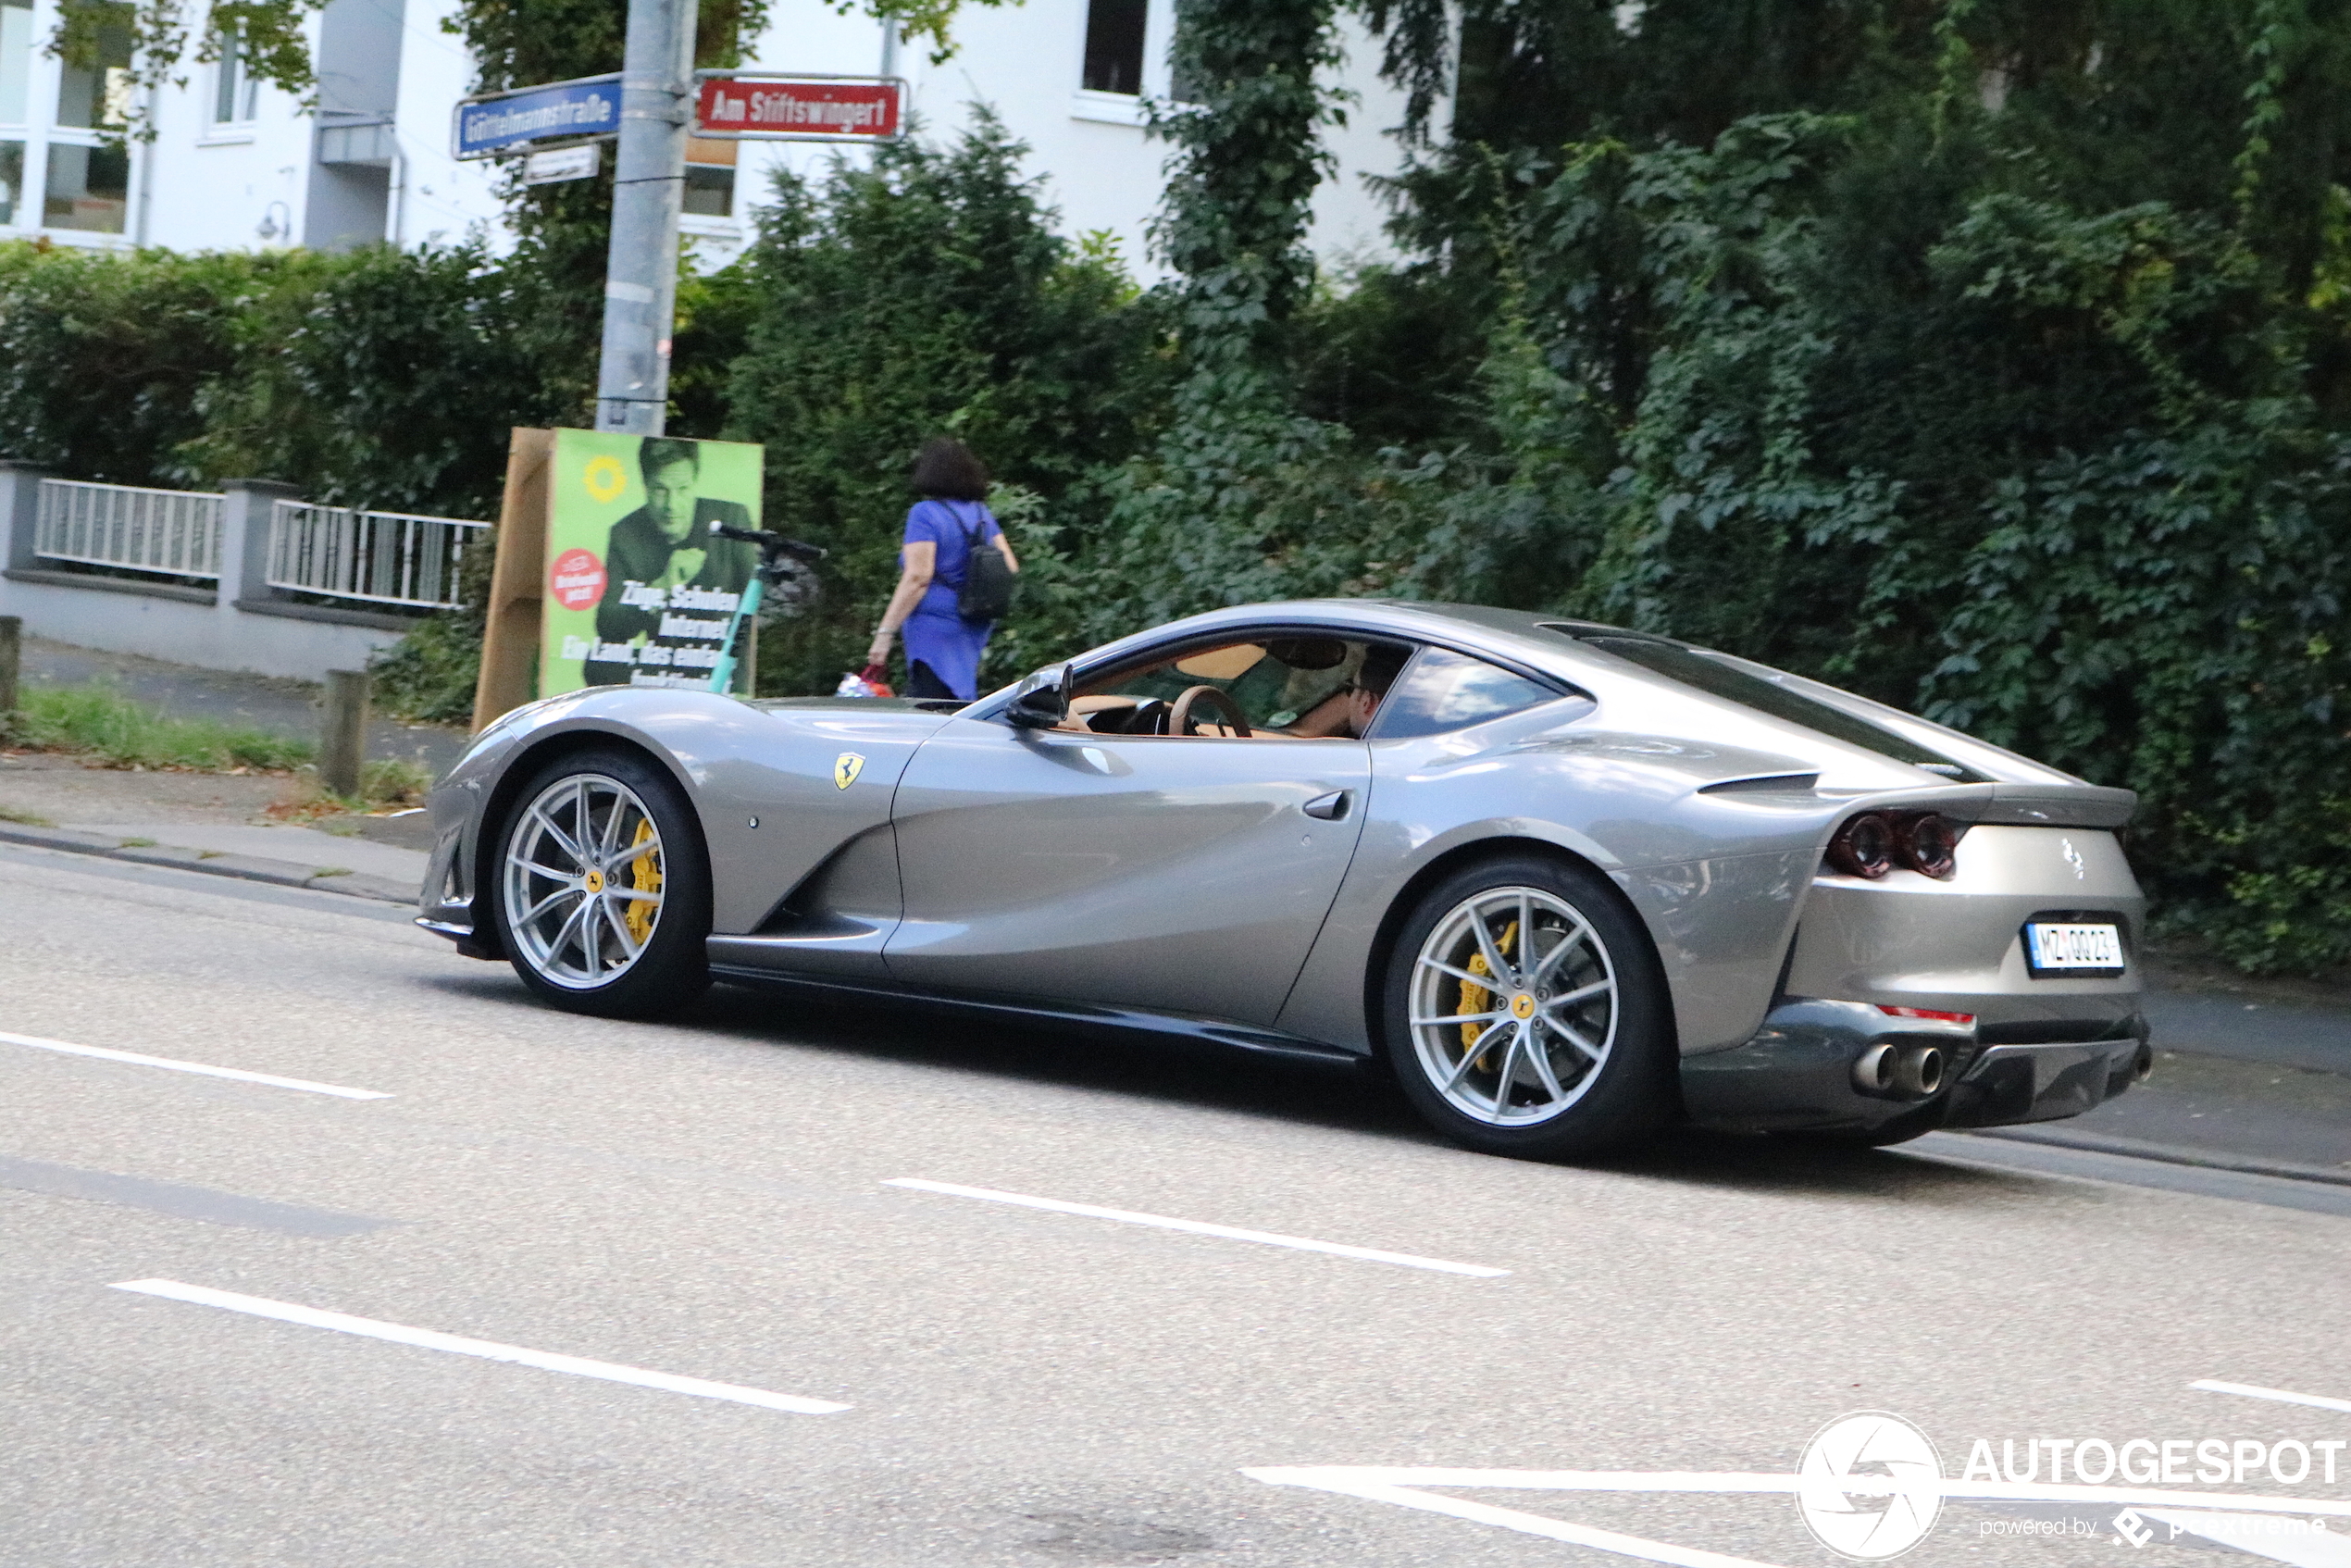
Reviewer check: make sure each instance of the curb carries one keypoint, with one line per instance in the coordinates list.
(244, 867)
(2165, 1154)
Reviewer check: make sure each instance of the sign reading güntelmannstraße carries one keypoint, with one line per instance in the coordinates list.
(590, 106)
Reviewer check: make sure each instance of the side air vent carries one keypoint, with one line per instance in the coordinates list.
(1771, 783)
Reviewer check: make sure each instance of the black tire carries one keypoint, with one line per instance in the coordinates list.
(671, 968)
(1626, 1097)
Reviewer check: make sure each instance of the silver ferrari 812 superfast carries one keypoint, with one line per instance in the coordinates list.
(1568, 883)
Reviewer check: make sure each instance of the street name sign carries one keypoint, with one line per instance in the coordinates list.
(580, 162)
(493, 123)
(733, 106)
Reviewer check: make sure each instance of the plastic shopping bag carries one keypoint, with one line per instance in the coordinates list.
(867, 682)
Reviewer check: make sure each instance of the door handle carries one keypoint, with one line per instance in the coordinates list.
(1328, 808)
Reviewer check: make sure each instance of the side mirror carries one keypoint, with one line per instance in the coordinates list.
(1042, 701)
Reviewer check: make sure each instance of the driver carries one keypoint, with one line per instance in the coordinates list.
(1347, 711)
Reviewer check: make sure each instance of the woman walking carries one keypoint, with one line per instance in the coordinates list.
(944, 530)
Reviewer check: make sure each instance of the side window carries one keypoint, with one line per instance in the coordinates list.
(1446, 691)
(1278, 683)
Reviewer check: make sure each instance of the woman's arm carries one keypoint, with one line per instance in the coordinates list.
(922, 558)
(1005, 544)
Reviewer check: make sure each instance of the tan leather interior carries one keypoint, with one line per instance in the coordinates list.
(1222, 663)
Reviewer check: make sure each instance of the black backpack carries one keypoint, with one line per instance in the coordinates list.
(989, 579)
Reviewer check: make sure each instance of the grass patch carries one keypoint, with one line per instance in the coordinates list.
(24, 818)
(99, 721)
(136, 844)
(385, 784)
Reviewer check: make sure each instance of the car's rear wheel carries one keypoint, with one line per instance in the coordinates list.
(603, 887)
(1525, 1014)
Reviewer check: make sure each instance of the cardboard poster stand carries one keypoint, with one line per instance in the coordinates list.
(517, 579)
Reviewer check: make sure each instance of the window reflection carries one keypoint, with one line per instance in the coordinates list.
(16, 65)
(95, 95)
(88, 188)
(11, 178)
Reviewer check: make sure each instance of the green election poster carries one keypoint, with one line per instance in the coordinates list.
(639, 588)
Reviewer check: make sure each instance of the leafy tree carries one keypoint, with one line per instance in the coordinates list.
(885, 304)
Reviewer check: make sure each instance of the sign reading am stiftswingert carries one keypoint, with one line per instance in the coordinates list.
(733, 106)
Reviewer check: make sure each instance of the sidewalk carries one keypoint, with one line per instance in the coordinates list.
(208, 822)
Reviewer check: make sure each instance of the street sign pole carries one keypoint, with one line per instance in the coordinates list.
(649, 186)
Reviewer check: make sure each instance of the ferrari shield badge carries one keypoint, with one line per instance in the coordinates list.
(846, 767)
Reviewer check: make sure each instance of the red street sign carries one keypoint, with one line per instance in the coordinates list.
(733, 106)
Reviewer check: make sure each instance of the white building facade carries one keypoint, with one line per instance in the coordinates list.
(238, 165)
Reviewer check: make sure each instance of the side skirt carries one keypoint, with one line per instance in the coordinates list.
(1067, 1014)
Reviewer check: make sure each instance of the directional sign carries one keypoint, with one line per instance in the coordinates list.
(504, 122)
(800, 109)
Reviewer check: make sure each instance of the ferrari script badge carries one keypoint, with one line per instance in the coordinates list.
(846, 767)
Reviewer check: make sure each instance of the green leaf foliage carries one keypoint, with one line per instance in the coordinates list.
(891, 301)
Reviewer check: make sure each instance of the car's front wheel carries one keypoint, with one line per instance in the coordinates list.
(1525, 1013)
(603, 887)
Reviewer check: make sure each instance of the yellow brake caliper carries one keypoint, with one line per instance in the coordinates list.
(644, 877)
(1474, 997)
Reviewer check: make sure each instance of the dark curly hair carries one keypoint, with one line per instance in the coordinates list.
(946, 470)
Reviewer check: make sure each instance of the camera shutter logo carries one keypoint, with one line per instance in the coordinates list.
(1870, 1486)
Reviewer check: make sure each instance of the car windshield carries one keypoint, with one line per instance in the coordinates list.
(1718, 680)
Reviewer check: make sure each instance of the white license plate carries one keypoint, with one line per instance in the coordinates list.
(2072, 948)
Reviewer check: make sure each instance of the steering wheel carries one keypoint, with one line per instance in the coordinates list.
(1179, 718)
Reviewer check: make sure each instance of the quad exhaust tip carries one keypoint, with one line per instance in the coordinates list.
(1892, 1072)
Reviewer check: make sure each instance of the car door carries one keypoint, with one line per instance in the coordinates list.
(1171, 874)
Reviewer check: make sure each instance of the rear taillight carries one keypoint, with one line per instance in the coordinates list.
(1876, 842)
(1930, 842)
(1864, 846)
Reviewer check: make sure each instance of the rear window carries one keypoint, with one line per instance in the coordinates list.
(1718, 679)
(1446, 691)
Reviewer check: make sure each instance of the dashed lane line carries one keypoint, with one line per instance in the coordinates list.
(200, 1068)
(1198, 1227)
(487, 1350)
(2283, 1396)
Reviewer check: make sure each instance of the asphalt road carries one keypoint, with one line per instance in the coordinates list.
(712, 1200)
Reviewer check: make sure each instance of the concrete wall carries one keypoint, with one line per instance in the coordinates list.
(242, 625)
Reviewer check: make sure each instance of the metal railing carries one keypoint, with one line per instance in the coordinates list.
(372, 558)
(172, 531)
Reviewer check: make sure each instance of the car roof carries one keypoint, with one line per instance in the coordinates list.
(1554, 646)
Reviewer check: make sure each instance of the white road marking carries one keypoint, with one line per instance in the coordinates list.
(1200, 1228)
(172, 1064)
(1404, 1488)
(2251, 1392)
(311, 1317)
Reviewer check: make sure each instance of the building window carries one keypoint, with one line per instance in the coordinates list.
(12, 180)
(97, 96)
(16, 62)
(1115, 31)
(710, 193)
(88, 188)
(234, 88)
(710, 177)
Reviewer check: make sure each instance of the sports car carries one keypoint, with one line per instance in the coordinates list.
(1568, 883)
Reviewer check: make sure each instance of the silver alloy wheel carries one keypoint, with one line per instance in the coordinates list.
(1513, 1006)
(583, 880)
